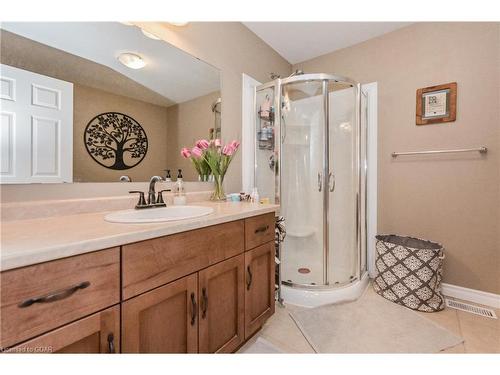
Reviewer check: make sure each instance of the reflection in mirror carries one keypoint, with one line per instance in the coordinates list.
(100, 102)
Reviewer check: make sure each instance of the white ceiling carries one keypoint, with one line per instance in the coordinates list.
(170, 72)
(301, 41)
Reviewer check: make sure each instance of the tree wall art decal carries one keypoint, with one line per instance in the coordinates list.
(115, 140)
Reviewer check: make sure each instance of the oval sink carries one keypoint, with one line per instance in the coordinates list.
(156, 215)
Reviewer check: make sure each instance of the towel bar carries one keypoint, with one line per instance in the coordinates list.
(482, 150)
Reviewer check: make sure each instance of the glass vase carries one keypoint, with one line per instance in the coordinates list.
(218, 194)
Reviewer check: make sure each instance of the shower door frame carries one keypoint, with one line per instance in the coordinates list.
(325, 182)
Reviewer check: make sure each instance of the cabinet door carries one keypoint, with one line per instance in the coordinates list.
(222, 296)
(163, 320)
(259, 288)
(97, 333)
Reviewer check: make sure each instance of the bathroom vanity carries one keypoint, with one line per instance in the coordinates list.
(197, 286)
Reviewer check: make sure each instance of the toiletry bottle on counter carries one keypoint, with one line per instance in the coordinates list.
(168, 178)
(179, 191)
(255, 196)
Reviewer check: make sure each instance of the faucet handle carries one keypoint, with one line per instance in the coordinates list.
(160, 200)
(142, 201)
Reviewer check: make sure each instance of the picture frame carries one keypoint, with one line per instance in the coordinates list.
(436, 104)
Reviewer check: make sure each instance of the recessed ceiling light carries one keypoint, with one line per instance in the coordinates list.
(150, 35)
(179, 23)
(131, 60)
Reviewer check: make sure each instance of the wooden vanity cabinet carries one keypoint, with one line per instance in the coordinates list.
(221, 290)
(259, 288)
(152, 263)
(97, 333)
(38, 298)
(164, 320)
(213, 310)
(206, 290)
(259, 230)
(202, 312)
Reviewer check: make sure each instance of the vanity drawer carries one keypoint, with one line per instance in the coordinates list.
(259, 230)
(39, 298)
(152, 263)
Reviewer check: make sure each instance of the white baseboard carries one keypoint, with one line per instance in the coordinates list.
(472, 295)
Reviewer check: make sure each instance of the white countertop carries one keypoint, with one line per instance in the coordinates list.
(27, 242)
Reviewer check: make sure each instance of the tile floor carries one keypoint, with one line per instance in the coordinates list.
(481, 335)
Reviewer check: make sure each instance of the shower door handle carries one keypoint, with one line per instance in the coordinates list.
(331, 181)
(283, 130)
(320, 181)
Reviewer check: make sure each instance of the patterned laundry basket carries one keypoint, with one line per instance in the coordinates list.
(409, 272)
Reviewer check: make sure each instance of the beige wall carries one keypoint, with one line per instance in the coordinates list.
(453, 199)
(233, 49)
(88, 103)
(188, 122)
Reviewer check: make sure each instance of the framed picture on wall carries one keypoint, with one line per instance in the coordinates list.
(437, 104)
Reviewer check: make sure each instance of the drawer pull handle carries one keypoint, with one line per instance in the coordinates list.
(55, 296)
(111, 343)
(194, 309)
(262, 229)
(204, 299)
(249, 278)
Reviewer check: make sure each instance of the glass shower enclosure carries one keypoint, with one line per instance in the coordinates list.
(310, 158)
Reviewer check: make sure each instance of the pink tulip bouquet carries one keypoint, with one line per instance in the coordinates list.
(196, 156)
(215, 157)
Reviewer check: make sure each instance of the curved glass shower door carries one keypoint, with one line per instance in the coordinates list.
(302, 185)
(313, 164)
(343, 259)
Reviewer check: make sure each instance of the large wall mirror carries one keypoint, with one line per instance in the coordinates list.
(95, 101)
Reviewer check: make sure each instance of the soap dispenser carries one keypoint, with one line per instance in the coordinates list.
(179, 190)
(168, 178)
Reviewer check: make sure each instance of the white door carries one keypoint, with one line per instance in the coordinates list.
(36, 128)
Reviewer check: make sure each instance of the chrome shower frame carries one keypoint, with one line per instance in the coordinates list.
(361, 170)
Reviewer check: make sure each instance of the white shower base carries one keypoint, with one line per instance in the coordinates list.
(315, 298)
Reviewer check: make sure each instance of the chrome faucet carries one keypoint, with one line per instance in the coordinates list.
(153, 200)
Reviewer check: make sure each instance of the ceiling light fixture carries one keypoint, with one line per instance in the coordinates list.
(179, 23)
(131, 60)
(150, 35)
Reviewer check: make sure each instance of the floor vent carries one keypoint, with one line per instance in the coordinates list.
(473, 309)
